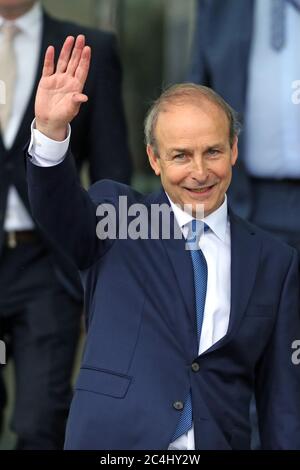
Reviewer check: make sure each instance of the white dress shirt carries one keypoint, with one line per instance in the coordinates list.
(215, 245)
(272, 137)
(27, 45)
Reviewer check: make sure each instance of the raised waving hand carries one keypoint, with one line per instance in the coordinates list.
(59, 94)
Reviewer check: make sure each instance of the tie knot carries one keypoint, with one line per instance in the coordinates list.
(9, 31)
(197, 226)
(195, 229)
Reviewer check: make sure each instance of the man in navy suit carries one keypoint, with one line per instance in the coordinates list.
(177, 339)
(39, 286)
(248, 52)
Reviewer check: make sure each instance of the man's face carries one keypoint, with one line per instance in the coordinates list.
(13, 8)
(195, 158)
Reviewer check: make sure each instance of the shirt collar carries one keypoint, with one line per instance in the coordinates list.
(29, 22)
(217, 220)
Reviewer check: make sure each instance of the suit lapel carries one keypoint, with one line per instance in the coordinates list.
(181, 264)
(245, 254)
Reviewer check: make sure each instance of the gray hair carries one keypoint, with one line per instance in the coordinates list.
(182, 93)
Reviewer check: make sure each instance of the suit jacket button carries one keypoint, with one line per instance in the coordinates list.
(178, 405)
(195, 367)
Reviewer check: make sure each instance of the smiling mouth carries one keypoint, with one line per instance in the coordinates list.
(205, 190)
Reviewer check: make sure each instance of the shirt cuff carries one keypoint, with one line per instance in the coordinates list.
(47, 152)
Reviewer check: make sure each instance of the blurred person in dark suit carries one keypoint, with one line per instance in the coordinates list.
(40, 292)
(248, 52)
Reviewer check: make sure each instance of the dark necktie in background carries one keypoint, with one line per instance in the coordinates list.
(200, 283)
(278, 21)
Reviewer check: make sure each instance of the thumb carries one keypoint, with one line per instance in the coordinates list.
(80, 98)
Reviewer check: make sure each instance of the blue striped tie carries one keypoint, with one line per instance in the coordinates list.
(200, 283)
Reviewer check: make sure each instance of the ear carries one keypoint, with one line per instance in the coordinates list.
(234, 151)
(154, 160)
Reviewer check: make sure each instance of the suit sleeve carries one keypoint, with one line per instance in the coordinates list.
(198, 70)
(106, 143)
(63, 210)
(277, 378)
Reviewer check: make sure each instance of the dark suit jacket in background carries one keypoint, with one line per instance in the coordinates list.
(220, 60)
(99, 134)
(142, 338)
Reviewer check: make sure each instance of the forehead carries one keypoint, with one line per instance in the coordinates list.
(186, 121)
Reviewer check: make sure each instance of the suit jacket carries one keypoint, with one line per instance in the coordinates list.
(220, 60)
(142, 340)
(99, 132)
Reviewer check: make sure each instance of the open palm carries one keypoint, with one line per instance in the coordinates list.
(59, 93)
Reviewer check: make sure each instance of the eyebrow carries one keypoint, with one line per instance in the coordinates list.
(215, 146)
(173, 151)
(178, 150)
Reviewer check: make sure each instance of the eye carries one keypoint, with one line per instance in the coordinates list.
(179, 157)
(213, 152)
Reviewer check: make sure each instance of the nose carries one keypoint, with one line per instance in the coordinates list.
(198, 169)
